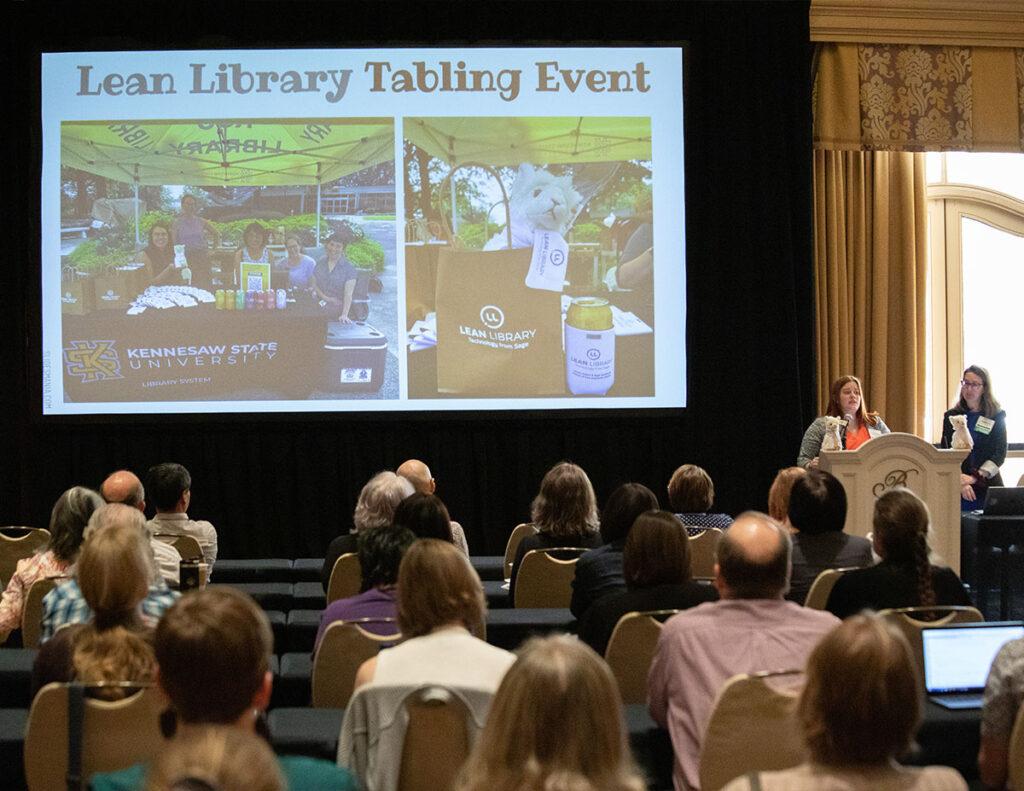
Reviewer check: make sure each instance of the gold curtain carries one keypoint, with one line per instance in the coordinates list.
(870, 250)
(875, 106)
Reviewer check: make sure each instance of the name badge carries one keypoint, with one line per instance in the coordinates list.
(984, 425)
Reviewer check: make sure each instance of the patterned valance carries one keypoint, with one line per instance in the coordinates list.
(909, 97)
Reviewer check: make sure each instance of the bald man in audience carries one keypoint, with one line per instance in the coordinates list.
(418, 474)
(125, 487)
(751, 628)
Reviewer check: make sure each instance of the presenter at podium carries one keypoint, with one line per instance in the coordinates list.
(986, 421)
(845, 401)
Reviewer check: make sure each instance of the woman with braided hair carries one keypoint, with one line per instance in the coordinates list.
(905, 577)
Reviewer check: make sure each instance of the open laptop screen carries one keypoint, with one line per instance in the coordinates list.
(958, 657)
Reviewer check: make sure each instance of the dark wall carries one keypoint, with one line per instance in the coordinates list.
(279, 486)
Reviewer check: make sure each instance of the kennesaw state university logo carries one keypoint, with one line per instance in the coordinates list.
(94, 361)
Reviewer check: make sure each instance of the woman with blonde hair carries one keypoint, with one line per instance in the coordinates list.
(113, 574)
(216, 757)
(905, 577)
(68, 519)
(855, 730)
(440, 603)
(556, 724)
(564, 513)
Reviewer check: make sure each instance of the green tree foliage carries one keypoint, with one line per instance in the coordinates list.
(366, 254)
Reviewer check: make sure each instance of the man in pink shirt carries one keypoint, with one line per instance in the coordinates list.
(751, 628)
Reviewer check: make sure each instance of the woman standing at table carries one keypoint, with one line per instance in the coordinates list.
(845, 401)
(334, 279)
(190, 230)
(986, 421)
(300, 266)
(158, 256)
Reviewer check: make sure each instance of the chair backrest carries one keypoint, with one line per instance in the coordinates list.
(346, 577)
(32, 611)
(1016, 766)
(544, 580)
(631, 649)
(115, 734)
(18, 543)
(436, 742)
(911, 620)
(702, 552)
(187, 546)
(817, 596)
(753, 727)
(521, 531)
(345, 646)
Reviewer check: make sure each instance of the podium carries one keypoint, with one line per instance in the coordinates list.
(900, 459)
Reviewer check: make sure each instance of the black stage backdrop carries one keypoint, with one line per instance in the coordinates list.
(278, 486)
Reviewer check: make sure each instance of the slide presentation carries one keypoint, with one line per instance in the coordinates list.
(362, 230)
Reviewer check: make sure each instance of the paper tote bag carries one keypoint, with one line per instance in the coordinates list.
(495, 335)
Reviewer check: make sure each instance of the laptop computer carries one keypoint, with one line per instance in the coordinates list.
(1004, 501)
(957, 659)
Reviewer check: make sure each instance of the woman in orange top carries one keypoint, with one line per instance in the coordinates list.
(845, 401)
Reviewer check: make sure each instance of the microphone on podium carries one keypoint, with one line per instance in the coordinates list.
(848, 418)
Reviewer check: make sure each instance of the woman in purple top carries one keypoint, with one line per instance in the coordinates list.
(300, 266)
(380, 554)
(190, 230)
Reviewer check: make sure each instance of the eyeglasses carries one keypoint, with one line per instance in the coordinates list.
(971, 385)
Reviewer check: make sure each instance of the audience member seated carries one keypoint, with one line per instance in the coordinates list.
(752, 628)
(599, 571)
(217, 757)
(855, 730)
(816, 515)
(440, 602)
(1004, 695)
(113, 573)
(418, 474)
(170, 487)
(65, 604)
(68, 519)
(426, 516)
(556, 723)
(213, 652)
(904, 578)
(691, 493)
(125, 487)
(375, 507)
(564, 513)
(656, 564)
(380, 553)
(778, 495)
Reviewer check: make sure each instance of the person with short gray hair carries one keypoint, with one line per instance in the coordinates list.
(376, 506)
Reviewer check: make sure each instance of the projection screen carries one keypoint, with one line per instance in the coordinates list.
(362, 230)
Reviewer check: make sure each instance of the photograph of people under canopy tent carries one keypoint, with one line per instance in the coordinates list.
(261, 306)
(267, 152)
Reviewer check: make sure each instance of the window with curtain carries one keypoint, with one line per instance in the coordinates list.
(976, 216)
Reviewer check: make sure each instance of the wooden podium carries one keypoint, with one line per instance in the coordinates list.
(899, 459)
